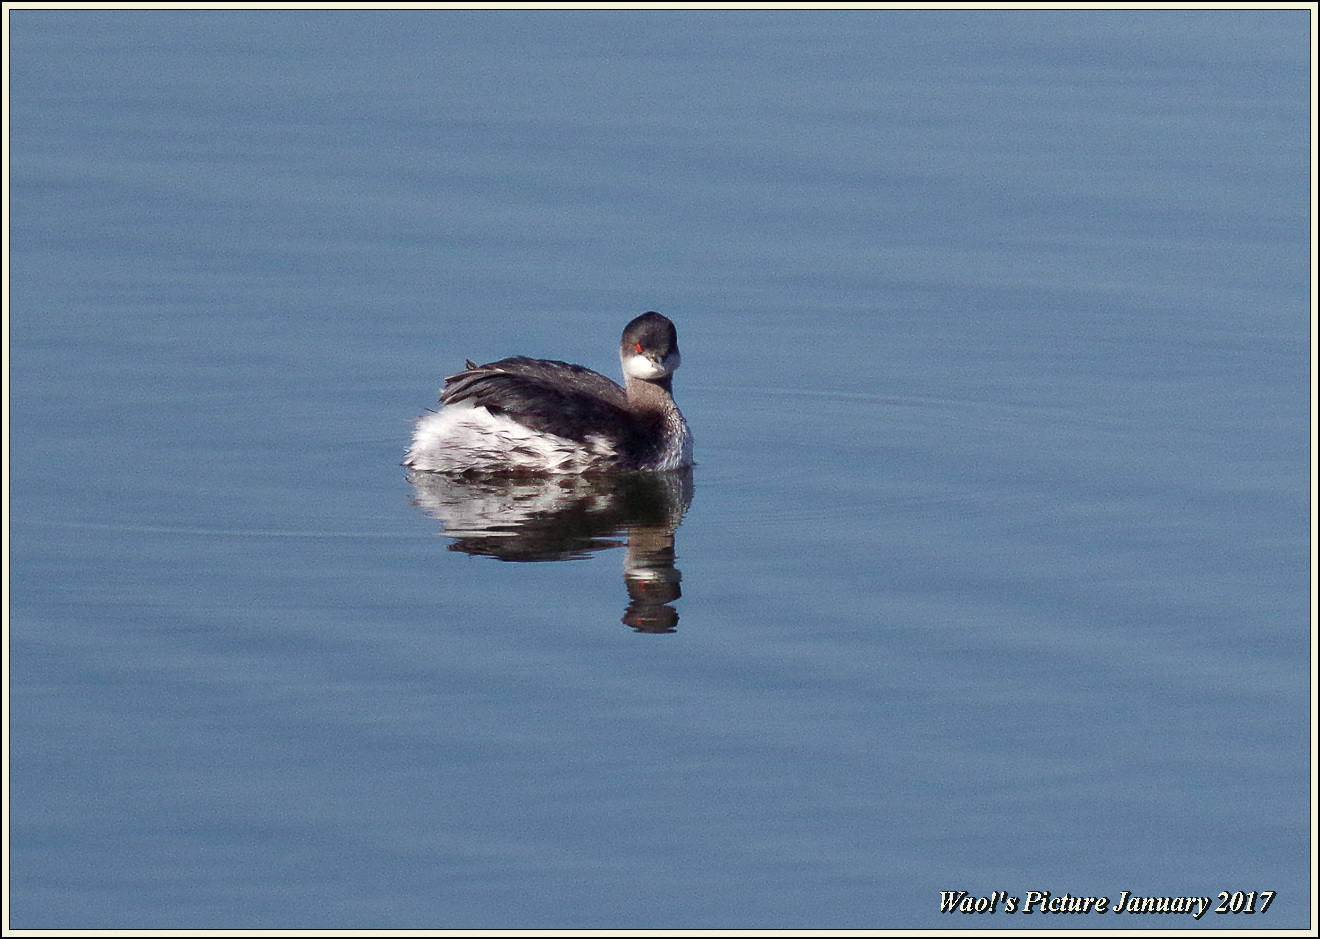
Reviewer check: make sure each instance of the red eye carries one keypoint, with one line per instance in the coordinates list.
(638, 347)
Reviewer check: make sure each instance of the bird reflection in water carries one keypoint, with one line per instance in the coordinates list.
(562, 518)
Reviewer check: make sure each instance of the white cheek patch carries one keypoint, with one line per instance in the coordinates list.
(639, 366)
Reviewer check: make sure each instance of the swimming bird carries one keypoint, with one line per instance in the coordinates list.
(524, 415)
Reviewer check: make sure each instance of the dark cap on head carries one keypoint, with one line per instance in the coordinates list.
(655, 333)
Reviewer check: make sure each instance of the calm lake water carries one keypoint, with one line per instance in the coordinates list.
(992, 575)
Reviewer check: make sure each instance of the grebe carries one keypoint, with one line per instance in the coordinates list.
(522, 415)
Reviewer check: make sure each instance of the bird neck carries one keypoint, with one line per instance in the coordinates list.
(652, 396)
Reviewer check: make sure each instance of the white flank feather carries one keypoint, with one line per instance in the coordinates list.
(462, 437)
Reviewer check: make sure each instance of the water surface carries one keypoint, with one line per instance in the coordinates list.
(992, 575)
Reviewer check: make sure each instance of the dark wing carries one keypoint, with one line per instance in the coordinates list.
(548, 372)
(546, 396)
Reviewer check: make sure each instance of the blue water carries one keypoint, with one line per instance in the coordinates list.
(995, 564)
